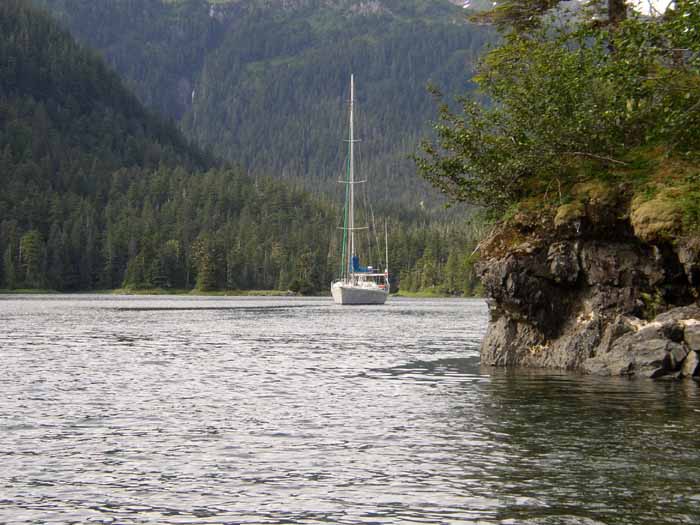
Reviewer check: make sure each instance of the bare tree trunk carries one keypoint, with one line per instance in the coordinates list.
(617, 12)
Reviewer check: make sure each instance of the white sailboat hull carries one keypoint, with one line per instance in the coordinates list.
(350, 294)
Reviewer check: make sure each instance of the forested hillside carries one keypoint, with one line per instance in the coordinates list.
(98, 193)
(264, 84)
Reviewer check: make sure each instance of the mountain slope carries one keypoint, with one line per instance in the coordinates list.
(264, 83)
(97, 193)
(65, 114)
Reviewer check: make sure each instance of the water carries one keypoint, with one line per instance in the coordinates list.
(269, 410)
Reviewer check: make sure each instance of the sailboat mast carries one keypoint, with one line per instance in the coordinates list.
(352, 171)
(386, 245)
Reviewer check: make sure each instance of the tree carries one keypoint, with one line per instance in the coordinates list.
(9, 269)
(97, 192)
(56, 257)
(523, 16)
(207, 257)
(135, 276)
(170, 265)
(32, 256)
(559, 97)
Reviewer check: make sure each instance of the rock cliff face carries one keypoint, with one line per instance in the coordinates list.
(588, 287)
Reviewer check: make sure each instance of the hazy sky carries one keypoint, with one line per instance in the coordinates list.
(644, 5)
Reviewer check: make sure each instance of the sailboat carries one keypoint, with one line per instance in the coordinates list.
(356, 284)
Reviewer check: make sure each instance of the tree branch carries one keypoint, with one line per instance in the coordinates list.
(597, 157)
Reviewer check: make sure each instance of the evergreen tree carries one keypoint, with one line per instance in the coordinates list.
(32, 256)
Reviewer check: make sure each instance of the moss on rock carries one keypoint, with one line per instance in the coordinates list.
(659, 218)
(569, 213)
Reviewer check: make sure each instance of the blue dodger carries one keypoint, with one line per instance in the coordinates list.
(356, 265)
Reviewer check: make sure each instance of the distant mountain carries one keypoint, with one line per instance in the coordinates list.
(96, 192)
(66, 120)
(263, 83)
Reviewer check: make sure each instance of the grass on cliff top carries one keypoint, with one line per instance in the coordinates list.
(665, 196)
(660, 195)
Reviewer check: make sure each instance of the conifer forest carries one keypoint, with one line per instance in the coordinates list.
(195, 145)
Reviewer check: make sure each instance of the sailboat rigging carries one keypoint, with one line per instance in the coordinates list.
(356, 284)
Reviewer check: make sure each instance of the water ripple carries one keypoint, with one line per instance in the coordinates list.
(166, 410)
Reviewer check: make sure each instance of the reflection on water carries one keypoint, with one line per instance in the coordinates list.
(269, 410)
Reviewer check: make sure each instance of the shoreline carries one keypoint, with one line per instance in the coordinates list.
(217, 293)
(153, 291)
(431, 295)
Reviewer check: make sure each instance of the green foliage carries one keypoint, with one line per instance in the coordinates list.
(67, 121)
(99, 194)
(301, 286)
(519, 15)
(653, 304)
(526, 16)
(217, 230)
(563, 96)
(690, 204)
(265, 85)
(32, 258)
(154, 45)
(436, 258)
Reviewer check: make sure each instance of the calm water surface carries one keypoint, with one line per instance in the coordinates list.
(267, 410)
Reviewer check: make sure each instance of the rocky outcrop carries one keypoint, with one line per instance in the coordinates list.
(583, 287)
(652, 349)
